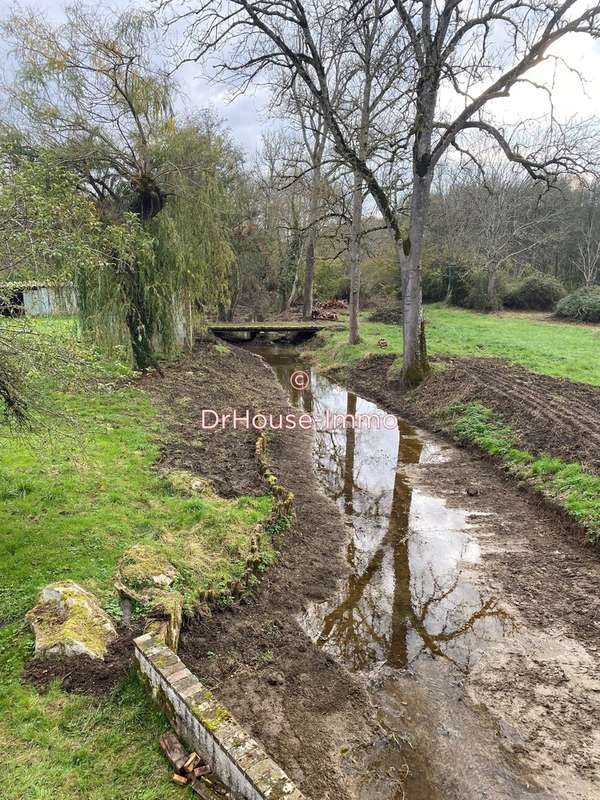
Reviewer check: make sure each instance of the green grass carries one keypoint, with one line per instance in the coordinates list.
(569, 484)
(546, 347)
(71, 502)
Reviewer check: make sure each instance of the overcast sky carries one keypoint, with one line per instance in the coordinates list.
(248, 116)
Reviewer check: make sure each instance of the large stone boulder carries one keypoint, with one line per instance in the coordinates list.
(68, 621)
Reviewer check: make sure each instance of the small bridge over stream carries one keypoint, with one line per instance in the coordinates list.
(290, 332)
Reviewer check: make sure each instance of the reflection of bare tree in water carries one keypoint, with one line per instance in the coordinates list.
(299, 399)
(335, 453)
(352, 628)
(356, 628)
(459, 621)
(349, 456)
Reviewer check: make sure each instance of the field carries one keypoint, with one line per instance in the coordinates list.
(72, 500)
(541, 345)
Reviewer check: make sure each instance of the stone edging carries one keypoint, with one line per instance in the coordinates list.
(208, 727)
(283, 499)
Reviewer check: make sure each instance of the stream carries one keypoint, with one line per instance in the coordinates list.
(407, 609)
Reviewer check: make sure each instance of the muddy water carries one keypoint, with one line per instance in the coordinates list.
(407, 607)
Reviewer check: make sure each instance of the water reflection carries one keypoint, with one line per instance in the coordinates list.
(406, 598)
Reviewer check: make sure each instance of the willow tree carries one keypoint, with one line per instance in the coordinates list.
(94, 90)
(48, 231)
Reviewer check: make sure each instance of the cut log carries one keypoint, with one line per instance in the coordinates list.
(192, 762)
(173, 750)
(180, 780)
(199, 772)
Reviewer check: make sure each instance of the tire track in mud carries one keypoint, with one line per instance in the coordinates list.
(554, 408)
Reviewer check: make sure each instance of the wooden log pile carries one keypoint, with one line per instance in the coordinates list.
(325, 310)
(190, 769)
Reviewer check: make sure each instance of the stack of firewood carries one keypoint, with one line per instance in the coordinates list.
(190, 769)
(325, 309)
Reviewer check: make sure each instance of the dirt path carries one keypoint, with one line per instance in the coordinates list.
(519, 725)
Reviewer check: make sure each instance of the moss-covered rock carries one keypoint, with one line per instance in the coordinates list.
(68, 621)
(188, 484)
(143, 567)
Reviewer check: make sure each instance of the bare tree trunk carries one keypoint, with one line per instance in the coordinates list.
(293, 290)
(414, 362)
(355, 247)
(493, 290)
(313, 233)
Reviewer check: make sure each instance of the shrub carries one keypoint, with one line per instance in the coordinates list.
(445, 283)
(380, 276)
(582, 305)
(537, 292)
(478, 296)
(331, 278)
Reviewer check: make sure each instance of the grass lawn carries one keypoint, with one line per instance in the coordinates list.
(562, 350)
(71, 502)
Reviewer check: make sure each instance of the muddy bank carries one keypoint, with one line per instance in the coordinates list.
(548, 415)
(311, 715)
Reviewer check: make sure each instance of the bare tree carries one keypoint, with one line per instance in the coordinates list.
(587, 260)
(313, 129)
(372, 65)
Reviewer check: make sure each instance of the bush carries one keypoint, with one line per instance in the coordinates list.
(391, 313)
(445, 283)
(380, 277)
(435, 285)
(582, 305)
(478, 296)
(331, 278)
(538, 292)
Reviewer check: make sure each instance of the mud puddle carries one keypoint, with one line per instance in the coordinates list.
(412, 619)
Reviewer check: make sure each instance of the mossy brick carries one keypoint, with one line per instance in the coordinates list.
(211, 714)
(246, 752)
(265, 774)
(156, 650)
(166, 660)
(229, 733)
(173, 669)
(179, 675)
(256, 771)
(187, 686)
(197, 697)
(294, 794)
(282, 789)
